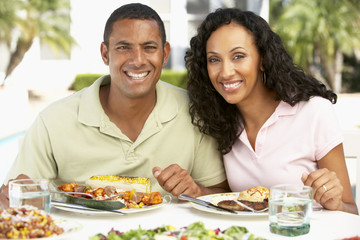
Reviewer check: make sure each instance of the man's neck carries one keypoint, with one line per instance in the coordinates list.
(129, 115)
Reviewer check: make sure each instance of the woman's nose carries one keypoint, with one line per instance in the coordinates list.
(227, 70)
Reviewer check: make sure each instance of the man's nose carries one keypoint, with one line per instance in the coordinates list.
(138, 58)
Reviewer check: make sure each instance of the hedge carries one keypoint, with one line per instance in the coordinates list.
(176, 78)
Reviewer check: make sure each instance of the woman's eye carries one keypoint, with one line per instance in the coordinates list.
(239, 56)
(212, 60)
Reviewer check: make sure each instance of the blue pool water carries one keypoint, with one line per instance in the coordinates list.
(9, 147)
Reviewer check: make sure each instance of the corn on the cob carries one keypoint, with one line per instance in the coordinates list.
(140, 184)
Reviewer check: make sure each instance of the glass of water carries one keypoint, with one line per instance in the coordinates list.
(35, 192)
(290, 207)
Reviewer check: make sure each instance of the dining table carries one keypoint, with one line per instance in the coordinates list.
(324, 224)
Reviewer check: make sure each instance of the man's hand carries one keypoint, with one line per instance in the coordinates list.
(176, 180)
(4, 192)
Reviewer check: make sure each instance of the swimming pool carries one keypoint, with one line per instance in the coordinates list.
(9, 147)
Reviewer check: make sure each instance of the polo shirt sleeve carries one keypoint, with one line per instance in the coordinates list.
(208, 164)
(326, 131)
(35, 157)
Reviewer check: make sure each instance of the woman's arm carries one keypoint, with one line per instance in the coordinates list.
(331, 184)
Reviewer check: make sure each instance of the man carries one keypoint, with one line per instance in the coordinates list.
(128, 123)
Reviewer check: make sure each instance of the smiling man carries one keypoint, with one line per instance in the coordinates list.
(127, 123)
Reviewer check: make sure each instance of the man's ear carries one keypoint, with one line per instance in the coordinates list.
(104, 53)
(167, 50)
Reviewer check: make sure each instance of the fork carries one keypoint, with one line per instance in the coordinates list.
(249, 208)
(89, 195)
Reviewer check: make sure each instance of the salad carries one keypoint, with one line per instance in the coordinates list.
(195, 231)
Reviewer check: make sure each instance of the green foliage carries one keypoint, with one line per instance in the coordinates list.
(21, 21)
(83, 80)
(176, 78)
(317, 33)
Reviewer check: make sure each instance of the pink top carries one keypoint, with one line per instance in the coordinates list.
(289, 143)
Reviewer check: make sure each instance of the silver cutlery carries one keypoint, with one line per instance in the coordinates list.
(88, 195)
(249, 208)
(80, 207)
(204, 203)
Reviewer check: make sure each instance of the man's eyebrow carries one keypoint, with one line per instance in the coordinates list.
(150, 43)
(145, 43)
(122, 43)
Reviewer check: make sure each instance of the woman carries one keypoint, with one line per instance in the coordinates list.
(273, 123)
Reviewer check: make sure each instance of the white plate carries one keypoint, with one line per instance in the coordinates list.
(70, 227)
(215, 198)
(126, 211)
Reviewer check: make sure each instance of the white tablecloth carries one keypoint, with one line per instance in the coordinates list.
(324, 224)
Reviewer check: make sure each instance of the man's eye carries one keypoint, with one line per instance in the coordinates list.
(150, 47)
(122, 47)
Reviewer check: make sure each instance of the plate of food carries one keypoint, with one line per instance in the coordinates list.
(29, 222)
(196, 230)
(255, 197)
(125, 194)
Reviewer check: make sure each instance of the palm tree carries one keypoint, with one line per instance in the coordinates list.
(317, 33)
(26, 19)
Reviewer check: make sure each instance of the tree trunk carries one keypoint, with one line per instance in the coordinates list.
(315, 68)
(333, 68)
(22, 46)
(339, 61)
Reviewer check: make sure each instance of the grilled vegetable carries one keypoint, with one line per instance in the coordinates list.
(103, 205)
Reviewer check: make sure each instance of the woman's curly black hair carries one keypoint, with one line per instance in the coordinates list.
(208, 110)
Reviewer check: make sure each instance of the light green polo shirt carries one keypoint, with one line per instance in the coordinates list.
(73, 139)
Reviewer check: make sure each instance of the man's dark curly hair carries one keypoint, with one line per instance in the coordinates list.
(208, 109)
(133, 11)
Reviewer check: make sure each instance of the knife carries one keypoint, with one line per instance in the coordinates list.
(79, 207)
(204, 203)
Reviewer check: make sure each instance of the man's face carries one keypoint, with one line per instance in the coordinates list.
(135, 57)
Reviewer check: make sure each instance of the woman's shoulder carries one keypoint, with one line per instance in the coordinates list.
(316, 103)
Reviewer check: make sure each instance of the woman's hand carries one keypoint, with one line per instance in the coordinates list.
(327, 188)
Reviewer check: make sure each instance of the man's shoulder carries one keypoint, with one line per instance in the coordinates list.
(68, 103)
(171, 87)
(168, 89)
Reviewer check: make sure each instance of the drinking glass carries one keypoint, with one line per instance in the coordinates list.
(290, 207)
(35, 192)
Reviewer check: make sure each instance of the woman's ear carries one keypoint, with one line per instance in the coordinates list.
(104, 53)
(261, 65)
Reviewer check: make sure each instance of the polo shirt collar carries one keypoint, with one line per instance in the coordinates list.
(282, 110)
(90, 109)
(166, 106)
(285, 109)
(91, 112)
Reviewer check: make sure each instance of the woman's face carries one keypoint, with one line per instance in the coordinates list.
(233, 63)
